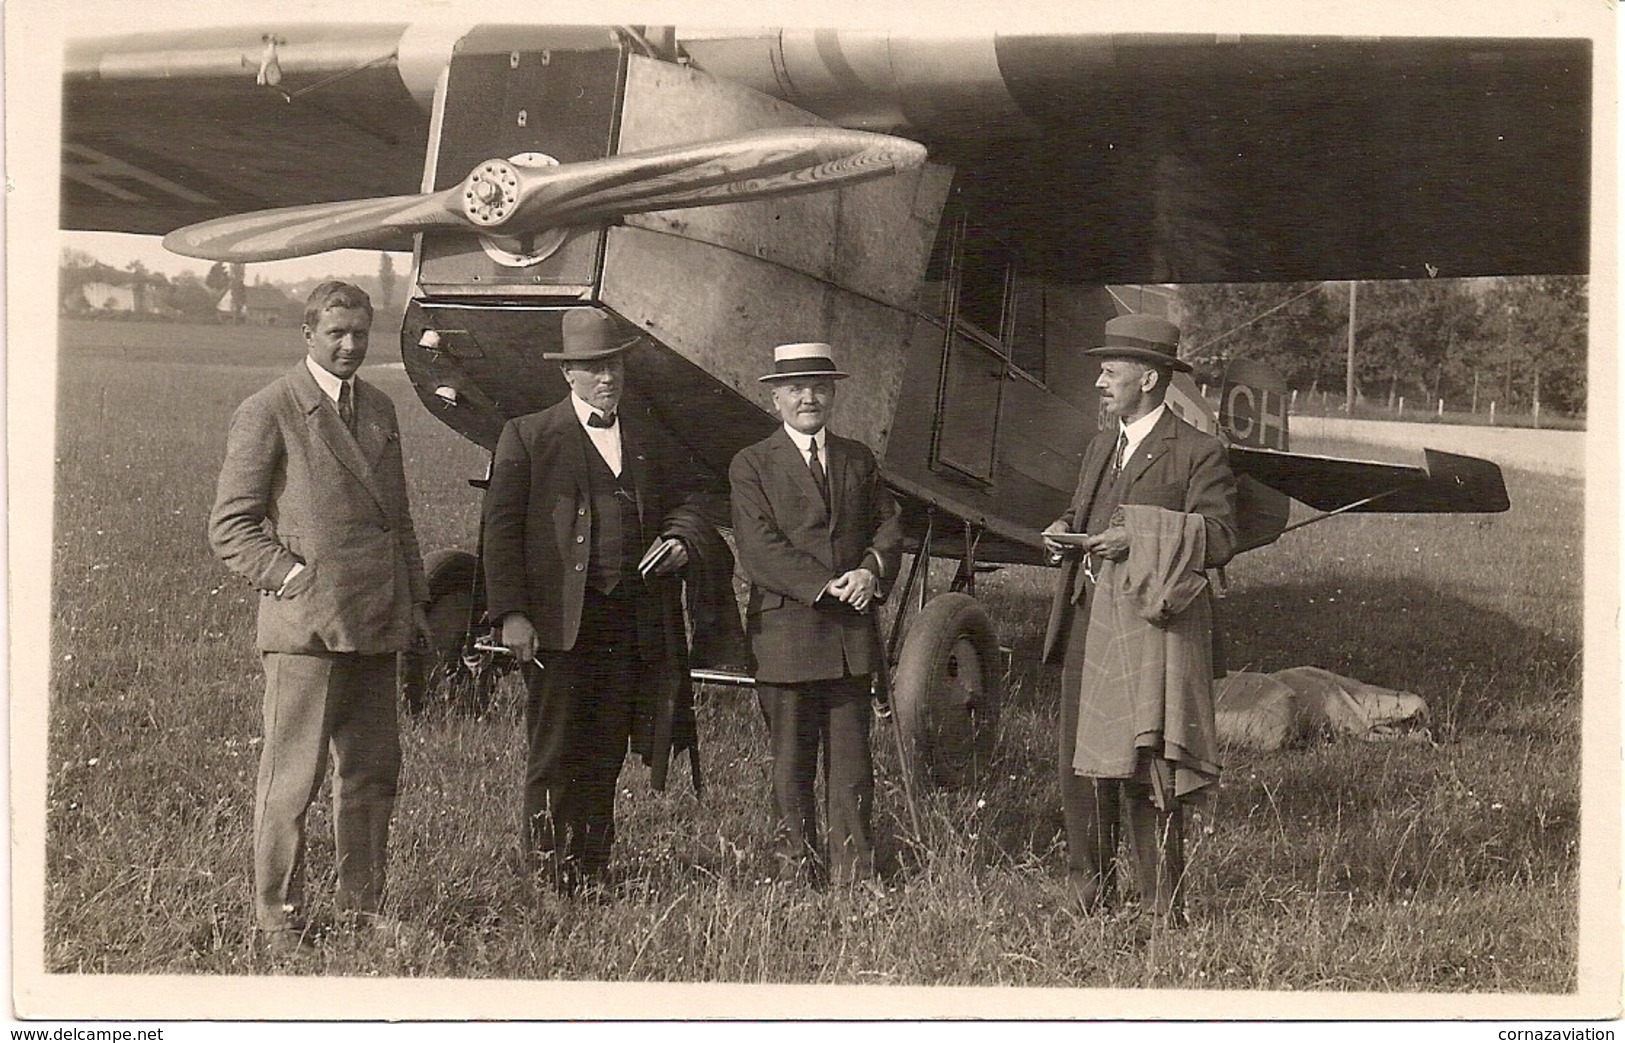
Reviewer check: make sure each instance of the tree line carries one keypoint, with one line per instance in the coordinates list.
(220, 294)
(184, 295)
(1517, 341)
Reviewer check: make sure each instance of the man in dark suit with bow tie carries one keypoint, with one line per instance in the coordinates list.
(1145, 455)
(581, 494)
(311, 510)
(820, 536)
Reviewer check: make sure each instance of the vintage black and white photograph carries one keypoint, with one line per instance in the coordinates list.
(901, 512)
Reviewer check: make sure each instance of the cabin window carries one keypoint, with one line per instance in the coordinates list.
(984, 283)
(968, 408)
(977, 278)
(1025, 340)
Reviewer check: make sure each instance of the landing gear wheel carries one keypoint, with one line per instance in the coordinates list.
(450, 671)
(946, 691)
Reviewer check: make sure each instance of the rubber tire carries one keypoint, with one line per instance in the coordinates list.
(948, 725)
(451, 593)
(437, 673)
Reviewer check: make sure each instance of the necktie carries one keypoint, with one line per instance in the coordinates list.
(1117, 459)
(817, 471)
(347, 406)
(600, 419)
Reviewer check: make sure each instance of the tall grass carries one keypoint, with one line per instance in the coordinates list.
(1448, 867)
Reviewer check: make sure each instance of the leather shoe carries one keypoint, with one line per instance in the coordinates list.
(1084, 890)
(356, 920)
(377, 928)
(572, 880)
(287, 943)
(799, 868)
(872, 887)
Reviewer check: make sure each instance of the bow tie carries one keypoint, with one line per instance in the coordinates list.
(600, 419)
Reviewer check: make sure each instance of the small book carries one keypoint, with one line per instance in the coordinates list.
(1074, 539)
(661, 549)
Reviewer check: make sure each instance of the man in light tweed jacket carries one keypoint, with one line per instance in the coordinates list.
(311, 510)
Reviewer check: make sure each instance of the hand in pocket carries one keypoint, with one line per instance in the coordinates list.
(298, 583)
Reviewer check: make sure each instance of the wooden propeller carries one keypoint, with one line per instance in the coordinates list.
(502, 198)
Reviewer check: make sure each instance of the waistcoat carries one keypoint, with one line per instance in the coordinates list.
(615, 530)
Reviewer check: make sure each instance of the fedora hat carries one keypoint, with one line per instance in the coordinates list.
(1144, 338)
(802, 360)
(590, 335)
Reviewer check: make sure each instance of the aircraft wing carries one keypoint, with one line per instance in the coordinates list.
(1444, 483)
(163, 130)
(1101, 157)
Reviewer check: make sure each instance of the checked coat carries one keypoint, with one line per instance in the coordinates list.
(1176, 468)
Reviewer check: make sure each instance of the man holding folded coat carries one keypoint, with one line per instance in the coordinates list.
(1154, 506)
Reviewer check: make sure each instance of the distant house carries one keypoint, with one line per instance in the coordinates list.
(108, 297)
(101, 288)
(263, 305)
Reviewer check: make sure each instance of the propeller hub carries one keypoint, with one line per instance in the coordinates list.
(491, 193)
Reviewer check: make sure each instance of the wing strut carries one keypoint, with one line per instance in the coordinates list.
(1356, 505)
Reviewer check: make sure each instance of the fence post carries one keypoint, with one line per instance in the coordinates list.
(1492, 412)
(1441, 409)
(1401, 406)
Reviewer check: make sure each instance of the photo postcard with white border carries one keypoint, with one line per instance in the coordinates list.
(130, 861)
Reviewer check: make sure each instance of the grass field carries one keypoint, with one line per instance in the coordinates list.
(1451, 867)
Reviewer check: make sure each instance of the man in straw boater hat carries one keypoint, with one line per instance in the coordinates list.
(1154, 506)
(590, 513)
(820, 537)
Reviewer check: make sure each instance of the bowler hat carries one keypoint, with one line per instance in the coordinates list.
(802, 360)
(590, 335)
(1144, 338)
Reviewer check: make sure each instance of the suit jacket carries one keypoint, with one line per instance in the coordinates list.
(1177, 468)
(791, 546)
(539, 516)
(296, 487)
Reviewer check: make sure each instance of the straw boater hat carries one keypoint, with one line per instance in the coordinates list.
(802, 360)
(590, 335)
(1144, 338)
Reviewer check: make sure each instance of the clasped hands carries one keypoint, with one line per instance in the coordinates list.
(858, 587)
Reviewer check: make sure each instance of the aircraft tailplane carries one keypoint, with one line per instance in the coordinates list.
(1253, 405)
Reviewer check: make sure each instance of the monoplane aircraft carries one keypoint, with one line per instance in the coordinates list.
(960, 215)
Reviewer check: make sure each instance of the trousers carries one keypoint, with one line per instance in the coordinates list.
(578, 723)
(343, 702)
(802, 720)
